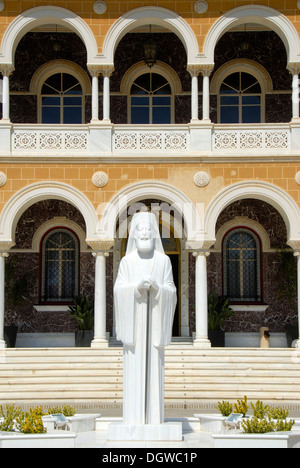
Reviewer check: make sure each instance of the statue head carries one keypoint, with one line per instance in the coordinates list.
(144, 237)
(144, 234)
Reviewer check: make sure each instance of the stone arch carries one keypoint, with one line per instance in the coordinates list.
(257, 14)
(145, 16)
(265, 191)
(31, 194)
(38, 16)
(150, 189)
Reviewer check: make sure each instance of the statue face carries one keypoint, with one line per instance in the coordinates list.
(144, 238)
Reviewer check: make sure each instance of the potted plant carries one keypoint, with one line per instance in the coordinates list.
(287, 289)
(16, 288)
(83, 312)
(218, 311)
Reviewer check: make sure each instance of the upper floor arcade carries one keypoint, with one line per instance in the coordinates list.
(239, 95)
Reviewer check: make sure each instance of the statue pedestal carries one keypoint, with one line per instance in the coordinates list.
(170, 431)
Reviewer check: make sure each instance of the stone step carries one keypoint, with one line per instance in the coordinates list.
(192, 375)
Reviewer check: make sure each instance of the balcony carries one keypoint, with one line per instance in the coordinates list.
(168, 142)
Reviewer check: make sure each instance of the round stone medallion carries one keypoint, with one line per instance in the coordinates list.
(297, 178)
(201, 179)
(100, 7)
(3, 179)
(201, 7)
(100, 179)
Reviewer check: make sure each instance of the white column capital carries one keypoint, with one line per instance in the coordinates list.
(94, 70)
(6, 69)
(99, 246)
(294, 68)
(106, 71)
(100, 253)
(202, 253)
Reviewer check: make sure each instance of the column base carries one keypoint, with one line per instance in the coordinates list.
(202, 343)
(2, 344)
(296, 343)
(99, 343)
(170, 431)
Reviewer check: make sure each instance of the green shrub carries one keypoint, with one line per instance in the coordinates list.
(68, 410)
(30, 422)
(278, 413)
(259, 409)
(241, 406)
(9, 413)
(257, 426)
(225, 408)
(283, 425)
(65, 410)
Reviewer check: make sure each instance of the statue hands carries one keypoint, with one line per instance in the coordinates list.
(148, 284)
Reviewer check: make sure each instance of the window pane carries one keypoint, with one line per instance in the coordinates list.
(54, 82)
(140, 115)
(229, 101)
(252, 114)
(140, 101)
(72, 101)
(251, 100)
(51, 115)
(50, 101)
(233, 81)
(72, 115)
(162, 101)
(249, 83)
(161, 115)
(229, 114)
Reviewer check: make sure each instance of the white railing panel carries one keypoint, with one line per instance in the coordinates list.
(241, 139)
(33, 139)
(157, 139)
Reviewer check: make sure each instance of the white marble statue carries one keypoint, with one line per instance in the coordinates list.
(145, 301)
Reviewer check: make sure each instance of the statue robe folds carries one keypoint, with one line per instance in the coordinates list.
(144, 338)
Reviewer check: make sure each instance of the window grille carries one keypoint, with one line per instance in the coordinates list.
(60, 258)
(242, 266)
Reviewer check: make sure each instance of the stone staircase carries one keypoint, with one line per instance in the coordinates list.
(194, 378)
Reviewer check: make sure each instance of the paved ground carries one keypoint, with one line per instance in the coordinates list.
(98, 439)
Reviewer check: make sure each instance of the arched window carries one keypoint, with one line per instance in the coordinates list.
(151, 100)
(240, 99)
(242, 266)
(60, 266)
(61, 100)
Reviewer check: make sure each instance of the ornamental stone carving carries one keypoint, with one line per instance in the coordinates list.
(201, 179)
(201, 7)
(3, 179)
(1, 5)
(100, 7)
(100, 179)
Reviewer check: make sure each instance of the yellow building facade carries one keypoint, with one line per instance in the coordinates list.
(207, 135)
